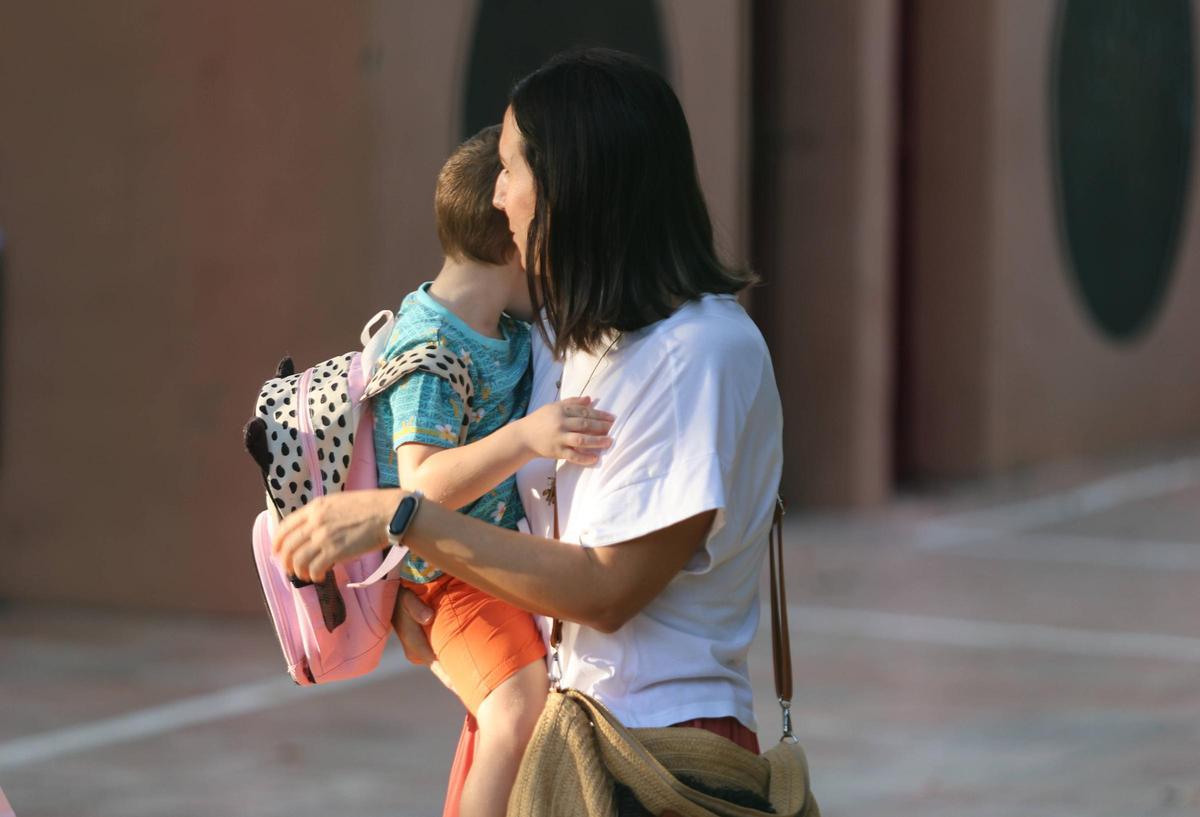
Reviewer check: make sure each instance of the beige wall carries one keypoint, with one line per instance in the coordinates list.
(708, 46)
(1088, 394)
(827, 244)
(171, 172)
(1006, 368)
(948, 372)
(191, 190)
(416, 121)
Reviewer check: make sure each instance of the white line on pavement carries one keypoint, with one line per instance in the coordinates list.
(873, 624)
(991, 635)
(948, 532)
(1101, 495)
(156, 720)
(1060, 548)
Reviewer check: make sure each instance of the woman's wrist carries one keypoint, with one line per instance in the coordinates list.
(385, 508)
(423, 528)
(427, 526)
(406, 509)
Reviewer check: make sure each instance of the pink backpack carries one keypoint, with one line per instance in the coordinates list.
(312, 434)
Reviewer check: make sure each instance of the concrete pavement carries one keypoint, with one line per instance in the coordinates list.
(1025, 646)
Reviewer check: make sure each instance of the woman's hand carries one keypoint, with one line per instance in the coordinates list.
(333, 529)
(568, 430)
(409, 620)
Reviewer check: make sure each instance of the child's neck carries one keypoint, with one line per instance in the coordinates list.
(477, 293)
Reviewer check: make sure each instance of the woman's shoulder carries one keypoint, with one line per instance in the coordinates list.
(707, 347)
(714, 329)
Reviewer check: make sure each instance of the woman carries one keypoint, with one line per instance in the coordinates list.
(662, 541)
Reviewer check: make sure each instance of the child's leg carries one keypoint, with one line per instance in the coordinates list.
(506, 719)
(493, 655)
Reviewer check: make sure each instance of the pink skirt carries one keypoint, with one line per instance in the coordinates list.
(729, 728)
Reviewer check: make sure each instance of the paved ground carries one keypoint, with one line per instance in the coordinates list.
(1025, 647)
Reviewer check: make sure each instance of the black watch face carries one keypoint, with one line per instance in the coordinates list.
(403, 513)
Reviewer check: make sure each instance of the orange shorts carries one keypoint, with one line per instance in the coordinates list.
(479, 640)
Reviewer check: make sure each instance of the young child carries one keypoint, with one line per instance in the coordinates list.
(490, 653)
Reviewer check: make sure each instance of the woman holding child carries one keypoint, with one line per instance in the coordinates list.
(663, 528)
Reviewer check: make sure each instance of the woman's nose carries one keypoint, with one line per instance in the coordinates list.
(498, 193)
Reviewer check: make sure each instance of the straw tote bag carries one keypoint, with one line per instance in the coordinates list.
(579, 751)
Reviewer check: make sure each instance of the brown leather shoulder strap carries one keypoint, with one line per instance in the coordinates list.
(781, 645)
(556, 630)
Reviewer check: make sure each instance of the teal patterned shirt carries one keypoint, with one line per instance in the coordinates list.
(423, 408)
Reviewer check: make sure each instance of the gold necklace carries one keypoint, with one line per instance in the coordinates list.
(549, 495)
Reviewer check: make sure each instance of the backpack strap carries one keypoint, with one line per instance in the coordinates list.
(437, 360)
(429, 357)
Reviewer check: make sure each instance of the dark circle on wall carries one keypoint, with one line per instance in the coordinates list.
(513, 37)
(1122, 118)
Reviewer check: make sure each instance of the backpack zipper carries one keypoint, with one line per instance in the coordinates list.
(304, 418)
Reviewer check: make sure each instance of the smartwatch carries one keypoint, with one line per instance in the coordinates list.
(403, 517)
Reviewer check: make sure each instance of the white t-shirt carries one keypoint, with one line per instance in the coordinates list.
(698, 428)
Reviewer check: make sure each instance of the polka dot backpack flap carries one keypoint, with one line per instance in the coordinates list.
(311, 435)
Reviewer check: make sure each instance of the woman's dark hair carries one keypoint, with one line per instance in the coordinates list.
(620, 233)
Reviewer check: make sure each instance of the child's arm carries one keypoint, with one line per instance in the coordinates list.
(569, 430)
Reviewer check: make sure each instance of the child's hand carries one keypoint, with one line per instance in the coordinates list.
(568, 430)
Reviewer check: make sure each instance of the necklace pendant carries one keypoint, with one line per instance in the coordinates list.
(548, 495)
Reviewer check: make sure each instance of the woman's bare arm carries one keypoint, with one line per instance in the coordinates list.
(601, 587)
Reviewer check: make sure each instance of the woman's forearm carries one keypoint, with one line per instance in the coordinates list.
(543, 576)
(600, 587)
